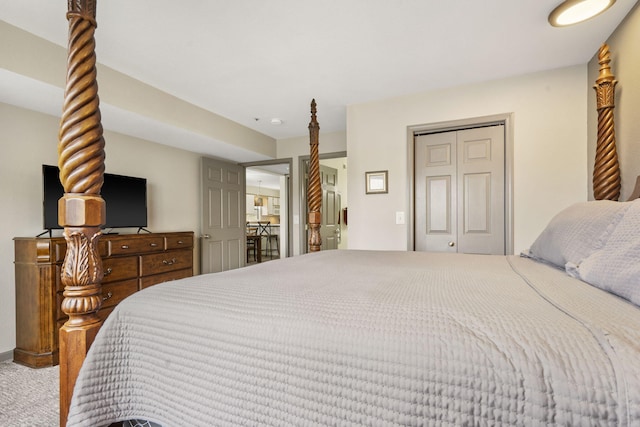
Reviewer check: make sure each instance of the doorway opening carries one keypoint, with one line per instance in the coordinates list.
(333, 176)
(268, 208)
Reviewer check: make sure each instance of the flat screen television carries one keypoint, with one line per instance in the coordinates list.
(125, 198)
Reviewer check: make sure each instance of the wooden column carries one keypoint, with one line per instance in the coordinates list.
(314, 190)
(606, 172)
(81, 210)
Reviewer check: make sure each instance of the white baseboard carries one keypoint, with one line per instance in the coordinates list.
(7, 355)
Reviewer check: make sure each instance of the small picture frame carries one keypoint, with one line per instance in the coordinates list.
(376, 182)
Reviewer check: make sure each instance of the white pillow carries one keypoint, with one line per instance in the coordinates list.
(616, 267)
(577, 232)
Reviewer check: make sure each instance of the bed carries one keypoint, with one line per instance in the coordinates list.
(551, 336)
(383, 338)
(506, 340)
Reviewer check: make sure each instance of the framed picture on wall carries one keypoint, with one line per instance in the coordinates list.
(376, 182)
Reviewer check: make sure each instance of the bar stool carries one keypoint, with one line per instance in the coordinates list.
(251, 243)
(264, 230)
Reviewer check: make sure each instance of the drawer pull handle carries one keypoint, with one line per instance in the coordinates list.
(108, 271)
(169, 262)
(125, 246)
(153, 245)
(109, 295)
(180, 242)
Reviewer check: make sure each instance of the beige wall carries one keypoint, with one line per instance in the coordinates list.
(625, 65)
(29, 139)
(38, 64)
(32, 74)
(549, 151)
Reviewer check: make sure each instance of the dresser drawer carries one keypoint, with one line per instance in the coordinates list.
(113, 269)
(121, 268)
(147, 281)
(60, 248)
(166, 261)
(112, 295)
(136, 245)
(103, 313)
(179, 242)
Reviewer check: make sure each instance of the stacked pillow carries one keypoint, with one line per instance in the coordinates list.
(598, 242)
(616, 267)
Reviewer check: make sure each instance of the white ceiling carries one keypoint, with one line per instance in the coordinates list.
(257, 59)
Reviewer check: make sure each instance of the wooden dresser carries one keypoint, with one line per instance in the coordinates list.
(130, 262)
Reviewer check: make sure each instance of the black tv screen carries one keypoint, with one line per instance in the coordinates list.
(125, 198)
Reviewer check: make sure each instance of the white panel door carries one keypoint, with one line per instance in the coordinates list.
(435, 169)
(481, 190)
(459, 191)
(330, 227)
(223, 216)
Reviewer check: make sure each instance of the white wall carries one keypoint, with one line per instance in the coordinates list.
(549, 161)
(29, 139)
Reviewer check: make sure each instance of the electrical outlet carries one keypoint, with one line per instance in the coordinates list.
(399, 217)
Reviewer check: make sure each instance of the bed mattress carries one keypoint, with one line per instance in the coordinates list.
(376, 338)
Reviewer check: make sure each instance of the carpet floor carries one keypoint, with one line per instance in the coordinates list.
(28, 397)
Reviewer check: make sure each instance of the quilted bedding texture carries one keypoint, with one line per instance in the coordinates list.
(367, 338)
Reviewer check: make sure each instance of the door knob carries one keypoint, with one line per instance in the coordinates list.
(206, 236)
(452, 244)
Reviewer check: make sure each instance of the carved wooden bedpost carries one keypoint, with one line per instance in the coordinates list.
(81, 211)
(606, 172)
(314, 190)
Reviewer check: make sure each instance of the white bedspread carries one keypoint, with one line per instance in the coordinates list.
(378, 338)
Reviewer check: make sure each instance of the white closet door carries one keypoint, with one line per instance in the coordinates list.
(459, 198)
(435, 190)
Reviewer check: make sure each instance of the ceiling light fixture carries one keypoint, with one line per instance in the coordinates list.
(571, 12)
(276, 122)
(257, 200)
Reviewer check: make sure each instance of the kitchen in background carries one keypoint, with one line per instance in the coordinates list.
(266, 193)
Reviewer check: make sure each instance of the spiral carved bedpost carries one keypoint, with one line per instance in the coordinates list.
(314, 190)
(606, 172)
(81, 211)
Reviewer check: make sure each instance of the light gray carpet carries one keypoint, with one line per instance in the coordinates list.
(28, 397)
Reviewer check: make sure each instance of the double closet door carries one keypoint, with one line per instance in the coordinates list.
(460, 191)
